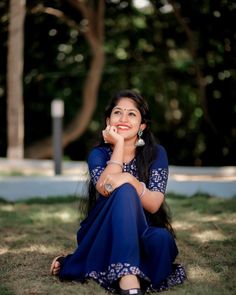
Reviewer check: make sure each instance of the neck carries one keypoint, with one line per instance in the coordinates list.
(129, 152)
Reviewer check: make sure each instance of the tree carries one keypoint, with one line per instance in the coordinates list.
(93, 30)
(15, 108)
(184, 67)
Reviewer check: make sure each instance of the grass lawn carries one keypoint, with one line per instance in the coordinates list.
(34, 232)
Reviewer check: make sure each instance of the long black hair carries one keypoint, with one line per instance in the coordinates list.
(145, 155)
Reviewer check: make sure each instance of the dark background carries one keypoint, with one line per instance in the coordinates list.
(147, 50)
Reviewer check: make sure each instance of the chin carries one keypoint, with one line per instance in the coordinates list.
(121, 132)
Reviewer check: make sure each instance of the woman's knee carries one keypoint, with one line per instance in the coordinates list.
(126, 192)
(126, 186)
(126, 189)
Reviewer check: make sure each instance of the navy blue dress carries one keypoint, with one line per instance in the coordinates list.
(117, 237)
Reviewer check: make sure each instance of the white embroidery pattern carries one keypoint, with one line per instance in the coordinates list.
(158, 180)
(157, 177)
(96, 173)
(131, 168)
(176, 278)
(114, 272)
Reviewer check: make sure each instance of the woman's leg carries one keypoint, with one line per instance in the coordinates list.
(128, 223)
(129, 282)
(109, 241)
(160, 251)
(56, 265)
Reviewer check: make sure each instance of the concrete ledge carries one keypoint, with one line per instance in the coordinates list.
(219, 188)
(215, 181)
(203, 173)
(14, 188)
(37, 180)
(30, 167)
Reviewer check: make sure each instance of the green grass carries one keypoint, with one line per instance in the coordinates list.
(33, 232)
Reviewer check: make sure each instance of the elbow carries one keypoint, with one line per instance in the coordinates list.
(157, 203)
(154, 209)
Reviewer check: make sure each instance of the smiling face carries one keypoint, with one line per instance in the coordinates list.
(126, 117)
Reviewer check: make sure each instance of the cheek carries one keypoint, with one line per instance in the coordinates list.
(136, 122)
(112, 121)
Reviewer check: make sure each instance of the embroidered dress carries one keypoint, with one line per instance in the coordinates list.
(117, 237)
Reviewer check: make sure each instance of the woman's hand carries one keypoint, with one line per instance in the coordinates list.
(151, 200)
(113, 181)
(111, 136)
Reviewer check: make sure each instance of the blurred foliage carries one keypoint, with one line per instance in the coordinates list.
(146, 49)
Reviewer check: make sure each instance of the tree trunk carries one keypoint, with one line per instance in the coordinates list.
(15, 106)
(94, 35)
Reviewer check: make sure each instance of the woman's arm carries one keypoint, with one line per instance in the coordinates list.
(115, 164)
(153, 196)
(151, 200)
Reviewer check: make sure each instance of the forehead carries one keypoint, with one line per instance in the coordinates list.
(126, 103)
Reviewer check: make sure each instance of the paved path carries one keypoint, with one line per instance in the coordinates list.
(22, 179)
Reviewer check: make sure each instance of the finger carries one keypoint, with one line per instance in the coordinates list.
(113, 128)
(102, 184)
(105, 193)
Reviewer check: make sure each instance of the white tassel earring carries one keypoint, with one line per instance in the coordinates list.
(140, 141)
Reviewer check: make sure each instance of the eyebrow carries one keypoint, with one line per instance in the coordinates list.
(119, 108)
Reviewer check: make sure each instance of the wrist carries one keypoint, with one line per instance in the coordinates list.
(114, 162)
(144, 188)
(120, 141)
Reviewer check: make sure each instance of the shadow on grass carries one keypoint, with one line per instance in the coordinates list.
(35, 231)
(27, 272)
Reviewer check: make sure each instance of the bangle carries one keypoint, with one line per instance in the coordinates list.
(115, 162)
(144, 189)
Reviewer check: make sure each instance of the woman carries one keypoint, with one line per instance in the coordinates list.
(126, 243)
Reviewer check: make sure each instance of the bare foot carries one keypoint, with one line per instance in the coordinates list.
(129, 282)
(56, 265)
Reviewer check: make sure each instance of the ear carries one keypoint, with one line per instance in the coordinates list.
(108, 121)
(143, 126)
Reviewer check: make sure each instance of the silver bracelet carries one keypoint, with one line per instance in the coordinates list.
(144, 189)
(115, 162)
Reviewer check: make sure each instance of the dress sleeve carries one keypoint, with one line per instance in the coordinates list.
(158, 172)
(97, 162)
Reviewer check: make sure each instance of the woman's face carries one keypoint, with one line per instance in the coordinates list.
(126, 117)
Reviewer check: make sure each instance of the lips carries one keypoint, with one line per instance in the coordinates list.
(123, 127)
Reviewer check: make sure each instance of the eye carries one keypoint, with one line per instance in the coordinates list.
(117, 112)
(132, 114)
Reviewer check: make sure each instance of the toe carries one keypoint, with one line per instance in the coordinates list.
(56, 265)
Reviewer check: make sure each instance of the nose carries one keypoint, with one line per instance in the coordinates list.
(123, 117)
